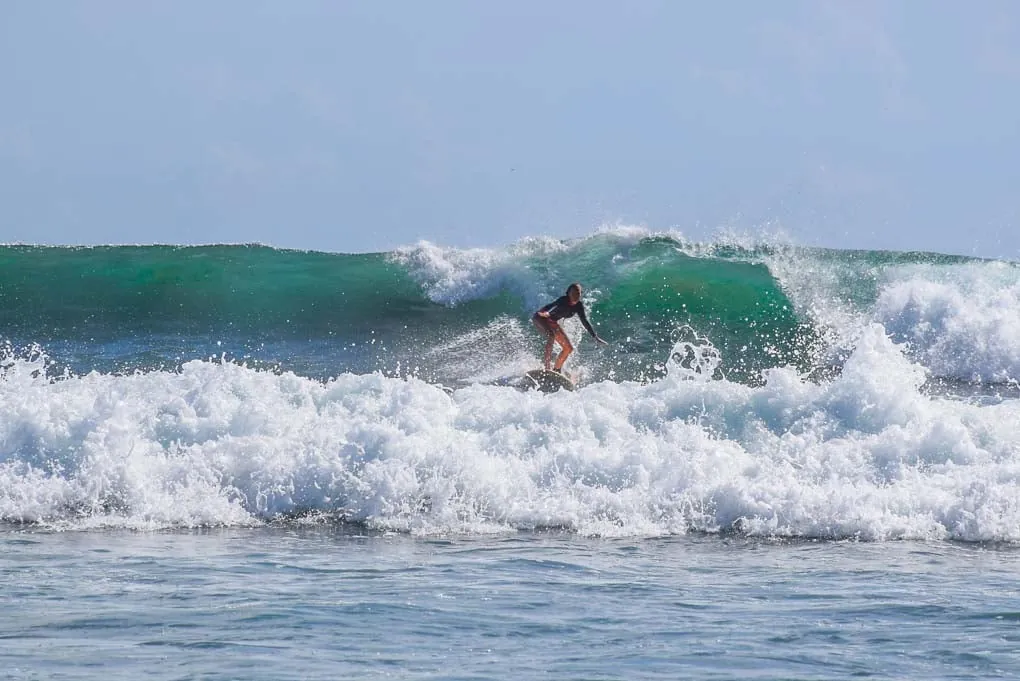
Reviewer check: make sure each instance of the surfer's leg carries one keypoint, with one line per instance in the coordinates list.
(544, 326)
(567, 348)
(548, 353)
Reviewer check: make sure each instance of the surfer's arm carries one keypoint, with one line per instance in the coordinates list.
(547, 309)
(587, 325)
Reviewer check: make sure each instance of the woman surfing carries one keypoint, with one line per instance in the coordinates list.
(547, 321)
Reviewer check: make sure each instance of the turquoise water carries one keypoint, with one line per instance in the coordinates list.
(293, 603)
(241, 462)
(384, 310)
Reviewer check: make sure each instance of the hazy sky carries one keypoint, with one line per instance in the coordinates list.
(356, 126)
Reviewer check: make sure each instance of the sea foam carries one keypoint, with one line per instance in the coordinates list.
(450, 276)
(866, 455)
(961, 322)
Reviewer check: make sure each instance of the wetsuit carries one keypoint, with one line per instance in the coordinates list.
(562, 309)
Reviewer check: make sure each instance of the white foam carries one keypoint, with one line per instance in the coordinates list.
(451, 276)
(866, 455)
(961, 321)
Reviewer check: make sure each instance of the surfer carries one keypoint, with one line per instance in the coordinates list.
(547, 321)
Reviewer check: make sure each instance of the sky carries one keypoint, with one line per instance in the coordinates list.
(362, 126)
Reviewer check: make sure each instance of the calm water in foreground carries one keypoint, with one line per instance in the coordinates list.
(315, 603)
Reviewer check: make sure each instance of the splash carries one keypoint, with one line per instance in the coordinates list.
(693, 357)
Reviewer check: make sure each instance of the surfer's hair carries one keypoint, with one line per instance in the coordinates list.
(574, 287)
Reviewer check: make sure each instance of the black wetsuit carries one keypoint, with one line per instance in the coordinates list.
(562, 309)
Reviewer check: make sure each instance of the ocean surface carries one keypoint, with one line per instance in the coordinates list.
(238, 462)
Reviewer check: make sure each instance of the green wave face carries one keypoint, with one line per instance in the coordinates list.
(650, 292)
(428, 310)
(107, 291)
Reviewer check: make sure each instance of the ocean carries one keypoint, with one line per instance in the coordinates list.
(238, 462)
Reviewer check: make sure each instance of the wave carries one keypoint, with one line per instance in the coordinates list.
(461, 315)
(408, 303)
(866, 455)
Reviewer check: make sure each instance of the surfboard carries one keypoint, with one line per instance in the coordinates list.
(547, 381)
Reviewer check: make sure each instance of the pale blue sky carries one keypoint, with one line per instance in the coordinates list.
(362, 126)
